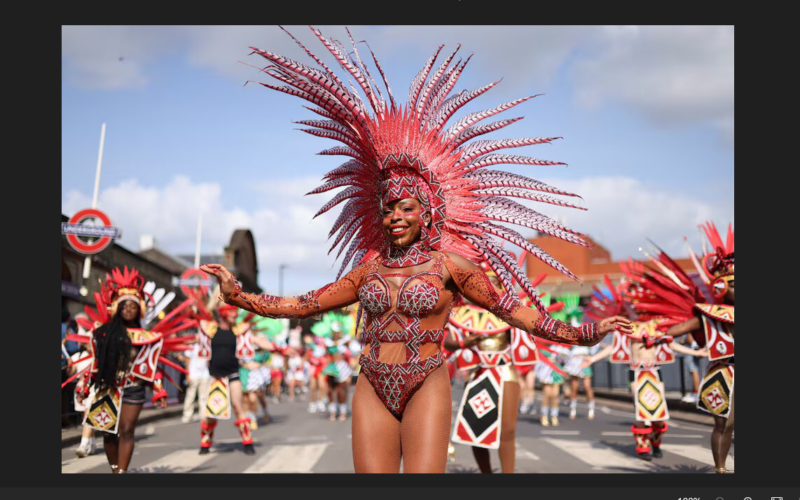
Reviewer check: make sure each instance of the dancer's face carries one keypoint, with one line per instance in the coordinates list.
(729, 293)
(230, 316)
(402, 219)
(130, 310)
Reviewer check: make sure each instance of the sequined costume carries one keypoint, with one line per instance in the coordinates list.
(400, 152)
(668, 291)
(492, 362)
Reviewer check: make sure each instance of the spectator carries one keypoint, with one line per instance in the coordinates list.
(197, 382)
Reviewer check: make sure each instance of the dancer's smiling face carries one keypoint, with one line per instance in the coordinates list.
(402, 219)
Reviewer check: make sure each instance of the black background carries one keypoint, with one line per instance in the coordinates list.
(767, 380)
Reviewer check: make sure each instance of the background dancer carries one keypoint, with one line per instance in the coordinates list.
(124, 359)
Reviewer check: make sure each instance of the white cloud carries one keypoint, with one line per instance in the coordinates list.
(674, 75)
(282, 226)
(624, 212)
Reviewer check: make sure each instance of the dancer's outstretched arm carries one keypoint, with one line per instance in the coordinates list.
(332, 296)
(688, 326)
(475, 285)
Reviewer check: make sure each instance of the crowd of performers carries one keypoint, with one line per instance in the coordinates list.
(122, 357)
(421, 212)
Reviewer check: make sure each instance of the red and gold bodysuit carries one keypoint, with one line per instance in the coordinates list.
(406, 313)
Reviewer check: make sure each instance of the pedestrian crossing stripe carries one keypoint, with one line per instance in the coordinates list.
(695, 453)
(81, 464)
(600, 456)
(289, 459)
(177, 462)
(590, 456)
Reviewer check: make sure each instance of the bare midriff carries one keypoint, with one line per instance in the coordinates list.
(395, 352)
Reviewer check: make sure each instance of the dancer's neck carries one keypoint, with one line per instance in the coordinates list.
(408, 255)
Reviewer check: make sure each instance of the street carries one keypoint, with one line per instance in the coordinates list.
(298, 441)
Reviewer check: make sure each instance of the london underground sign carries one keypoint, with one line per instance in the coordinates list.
(194, 279)
(77, 228)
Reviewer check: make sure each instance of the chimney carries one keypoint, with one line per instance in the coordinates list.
(146, 242)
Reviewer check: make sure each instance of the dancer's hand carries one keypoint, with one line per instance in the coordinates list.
(586, 363)
(701, 353)
(471, 340)
(225, 278)
(618, 323)
(161, 403)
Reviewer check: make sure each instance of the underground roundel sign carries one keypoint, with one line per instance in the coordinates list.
(86, 238)
(194, 279)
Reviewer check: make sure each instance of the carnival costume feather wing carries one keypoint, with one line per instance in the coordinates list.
(666, 290)
(386, 144)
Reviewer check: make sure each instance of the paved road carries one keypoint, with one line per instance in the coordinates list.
(298, 441)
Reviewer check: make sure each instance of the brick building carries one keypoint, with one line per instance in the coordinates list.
(588, 264)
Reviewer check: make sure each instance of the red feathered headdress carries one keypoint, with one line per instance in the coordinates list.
(125, 285)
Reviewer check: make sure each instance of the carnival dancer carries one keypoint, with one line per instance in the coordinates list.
(229, 342)
(419, 206)
(125, 358)
(492, 349)
(336, 368)
(79, 362)
(707, 313)
(338, 372)
(644, 351)
(315, 354)
(550, 373)
(277, 367)
(296, 373)
(580, 375)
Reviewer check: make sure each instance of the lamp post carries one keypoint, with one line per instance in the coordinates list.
(281, 267)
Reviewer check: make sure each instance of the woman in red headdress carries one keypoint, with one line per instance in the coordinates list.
(125, 360)
(419, 208)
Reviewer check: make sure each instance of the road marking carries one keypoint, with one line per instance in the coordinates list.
(671, 435)
(561, 433)
(176, 462)
(81, 464)
(523, 453)
(690, 427)
(159, 445)
(149, 430)
(295, 439)
(299, 458)
(694, 452)
(599, 456)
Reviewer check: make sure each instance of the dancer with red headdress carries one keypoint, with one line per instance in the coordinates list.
(124, 359)
(491, 349)
(706, 311)
(644, 352)
(226, 341)
(419, 206)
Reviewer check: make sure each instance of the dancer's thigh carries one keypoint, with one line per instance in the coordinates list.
(376, 433)
(511, 392)
(425, 429)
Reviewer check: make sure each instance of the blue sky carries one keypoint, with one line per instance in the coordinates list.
(646, 114)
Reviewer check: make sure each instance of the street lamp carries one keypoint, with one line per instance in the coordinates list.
(281, 267)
